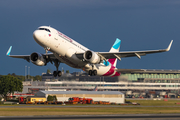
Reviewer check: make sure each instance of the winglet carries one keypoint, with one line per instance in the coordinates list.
(169, 47)
(9, 51)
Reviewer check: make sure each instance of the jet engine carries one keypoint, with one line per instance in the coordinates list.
(91, 57)
(37, 59)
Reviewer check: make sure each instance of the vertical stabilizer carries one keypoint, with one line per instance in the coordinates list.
(95, 89)
(115, 48)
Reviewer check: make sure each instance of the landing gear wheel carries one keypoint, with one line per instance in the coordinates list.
(90, 72)
(94, 72)
(59, 73)
(55, 73)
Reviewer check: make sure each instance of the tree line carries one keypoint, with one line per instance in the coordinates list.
(9, 84)
(22, 78)
(34, 78)
(12, 82)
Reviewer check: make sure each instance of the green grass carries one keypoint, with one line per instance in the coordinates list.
(157, 102)
(87, 111)
(148, 107)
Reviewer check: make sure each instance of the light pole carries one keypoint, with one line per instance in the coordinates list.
(25, 72)
(28, 72)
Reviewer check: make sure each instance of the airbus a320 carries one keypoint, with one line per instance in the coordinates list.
(63, 49)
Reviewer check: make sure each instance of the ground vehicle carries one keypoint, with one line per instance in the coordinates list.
(22, 100)
(76, 100)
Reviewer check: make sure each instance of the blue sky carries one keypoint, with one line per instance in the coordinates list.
(140, 24)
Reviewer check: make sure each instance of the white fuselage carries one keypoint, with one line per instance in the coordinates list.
(64, 49)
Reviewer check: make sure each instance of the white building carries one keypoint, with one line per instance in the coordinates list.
(109, 96)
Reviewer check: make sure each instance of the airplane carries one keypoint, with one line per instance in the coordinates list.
(64, 49)
(96, 88)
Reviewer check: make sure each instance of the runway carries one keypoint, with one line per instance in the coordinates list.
(101, 117)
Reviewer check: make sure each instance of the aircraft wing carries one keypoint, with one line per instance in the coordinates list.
(119, 55)
(51, 56)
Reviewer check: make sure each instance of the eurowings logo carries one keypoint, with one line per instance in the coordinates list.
(117, 44)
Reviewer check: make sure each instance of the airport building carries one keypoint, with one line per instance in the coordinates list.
(109, 96)
(161, 81)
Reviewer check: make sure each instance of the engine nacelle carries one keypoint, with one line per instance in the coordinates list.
(91, 57)
(37, 59)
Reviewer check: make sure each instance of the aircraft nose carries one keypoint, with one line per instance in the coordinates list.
(37, 35)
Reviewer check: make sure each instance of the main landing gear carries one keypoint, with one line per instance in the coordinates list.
(57, 73)
(56, 63)
(92, 72)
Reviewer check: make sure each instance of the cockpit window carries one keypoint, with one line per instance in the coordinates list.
(44, 29)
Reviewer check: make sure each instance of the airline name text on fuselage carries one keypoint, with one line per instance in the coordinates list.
(64, 36)
(70, 40)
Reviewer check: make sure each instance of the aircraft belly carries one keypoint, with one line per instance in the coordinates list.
(58, 48)
(101, 68)
(69, 61)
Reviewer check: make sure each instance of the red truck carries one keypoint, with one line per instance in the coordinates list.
(74, 99)
(81, 100)
(22, 100)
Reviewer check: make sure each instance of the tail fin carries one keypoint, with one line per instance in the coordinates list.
(115, 48)
(95, 89)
